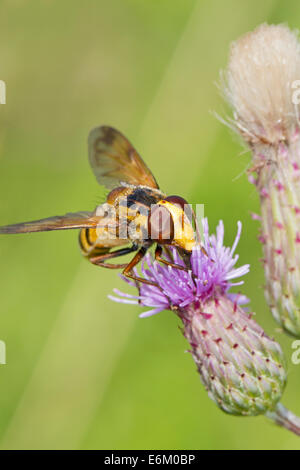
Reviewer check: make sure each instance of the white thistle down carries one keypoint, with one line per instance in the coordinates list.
(264, 66)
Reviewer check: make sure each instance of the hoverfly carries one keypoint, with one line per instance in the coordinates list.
(157, 218)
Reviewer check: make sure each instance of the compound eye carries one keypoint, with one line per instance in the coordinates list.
(160, 225)
(177, 200)
(181, 203)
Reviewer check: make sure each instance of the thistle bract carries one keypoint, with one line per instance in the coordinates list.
(240, 366)
(262, 80)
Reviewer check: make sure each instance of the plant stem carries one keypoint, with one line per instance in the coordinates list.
(285, 418)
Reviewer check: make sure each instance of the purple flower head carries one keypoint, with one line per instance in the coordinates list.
(239, 365)
(211, 275)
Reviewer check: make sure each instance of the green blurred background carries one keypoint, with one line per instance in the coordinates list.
(83, 372)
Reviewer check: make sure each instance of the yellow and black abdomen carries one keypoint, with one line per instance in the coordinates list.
(88, 243)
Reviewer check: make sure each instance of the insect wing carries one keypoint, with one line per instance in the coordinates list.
(68, 221)
(114, 160)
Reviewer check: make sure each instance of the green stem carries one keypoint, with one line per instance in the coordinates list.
(285, 418)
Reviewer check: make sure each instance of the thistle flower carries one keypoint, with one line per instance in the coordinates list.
(240, 366)
(262, 79)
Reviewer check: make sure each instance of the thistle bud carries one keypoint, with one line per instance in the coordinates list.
(239, 365)
(262, 79)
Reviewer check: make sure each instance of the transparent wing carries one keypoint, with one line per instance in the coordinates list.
(60, 222)
(114, 160)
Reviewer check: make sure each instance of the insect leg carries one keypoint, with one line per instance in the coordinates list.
(169, 253)
(187, 268)
(137, 258)
(128, 273)
(205, 252)
(158, 253)
(101, 259)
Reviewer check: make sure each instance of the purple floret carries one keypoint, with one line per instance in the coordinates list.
(210, 276)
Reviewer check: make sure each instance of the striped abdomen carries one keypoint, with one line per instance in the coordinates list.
(88, 243)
